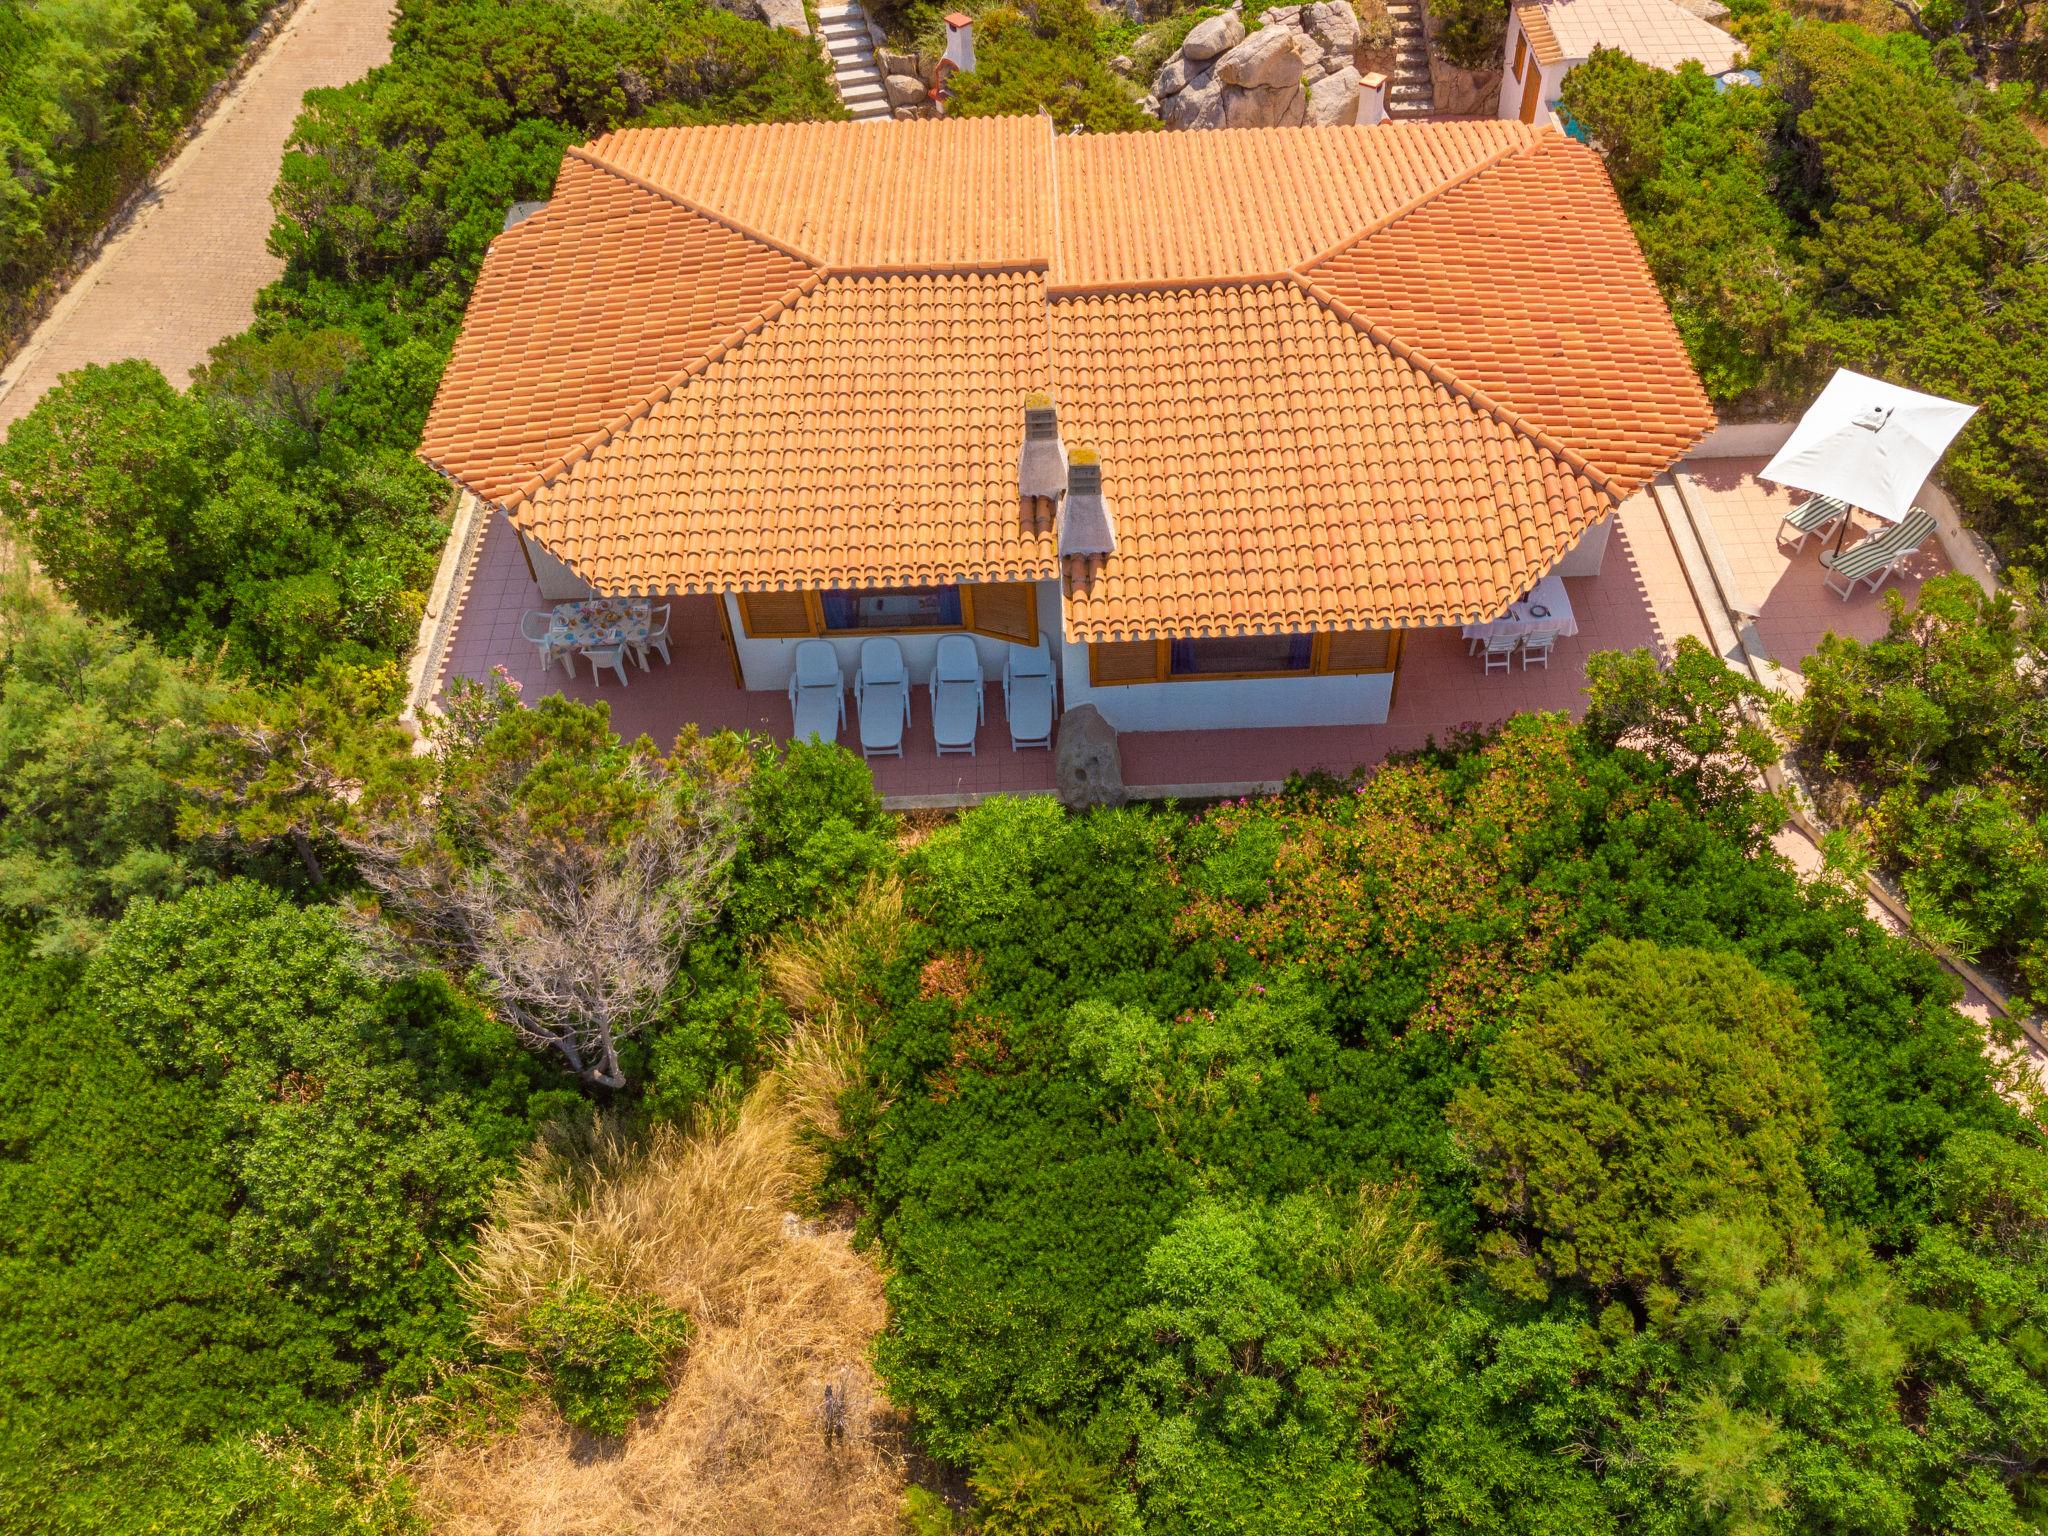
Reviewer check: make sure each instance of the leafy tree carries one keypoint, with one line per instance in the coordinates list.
(93, 727)
(361, 1127)
(1645, 1086)
(1698, 715)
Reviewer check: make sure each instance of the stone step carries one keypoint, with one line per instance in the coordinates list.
(866, 90)
(856, 35)
(851, 55)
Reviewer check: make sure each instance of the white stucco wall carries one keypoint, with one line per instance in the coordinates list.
(1229, 703)
(1584, 557)
(768, 665)
(558, 584)
(1511, 89)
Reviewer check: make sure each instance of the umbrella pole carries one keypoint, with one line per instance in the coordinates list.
(1842, 535)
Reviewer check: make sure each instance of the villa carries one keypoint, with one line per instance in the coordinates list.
(1225, 421)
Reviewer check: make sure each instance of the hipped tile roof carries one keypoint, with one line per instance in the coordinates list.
(1339, 377)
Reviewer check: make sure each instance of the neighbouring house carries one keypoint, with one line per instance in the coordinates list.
(1547, 39)
(1218, 416)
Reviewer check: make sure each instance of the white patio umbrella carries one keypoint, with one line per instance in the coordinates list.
(1868, 443)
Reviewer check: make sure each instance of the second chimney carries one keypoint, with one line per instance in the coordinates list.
(960, 42)
(1087, 527)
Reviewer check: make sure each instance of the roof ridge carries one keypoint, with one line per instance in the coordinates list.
(1599, 478)
(1423, 199)
(660, 394)
(586, 153)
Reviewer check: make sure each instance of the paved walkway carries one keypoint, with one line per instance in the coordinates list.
(185, 271)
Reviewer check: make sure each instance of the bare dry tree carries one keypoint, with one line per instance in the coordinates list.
(572, 931)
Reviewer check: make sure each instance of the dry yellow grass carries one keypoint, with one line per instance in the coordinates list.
(743, 1446)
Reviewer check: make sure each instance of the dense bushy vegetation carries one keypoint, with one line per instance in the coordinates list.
(274, 516)
(1928, 743)
(1505, 1142)
(1050, 56)
(1873, 206)
(92, 92)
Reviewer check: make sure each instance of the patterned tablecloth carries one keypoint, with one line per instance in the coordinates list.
(600, 621)
(1544, 611)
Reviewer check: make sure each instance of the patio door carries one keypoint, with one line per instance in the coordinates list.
(1531, 89)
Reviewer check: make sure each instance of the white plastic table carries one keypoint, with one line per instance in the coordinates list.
(1544, 610)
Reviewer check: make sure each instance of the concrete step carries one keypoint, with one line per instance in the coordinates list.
(866, 91)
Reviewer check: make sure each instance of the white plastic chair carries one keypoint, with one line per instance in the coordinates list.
(1030, 695)
(613, 656)
(817, 693)
(1500, 652)
(657, 636)
(538, 625)
(881, 688)
(1537, 648)
(957, 688)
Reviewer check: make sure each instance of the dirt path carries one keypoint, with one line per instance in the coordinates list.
(185, 271)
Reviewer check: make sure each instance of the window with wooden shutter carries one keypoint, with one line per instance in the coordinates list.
(1005, 610)
(1521, 53)
(777, 615)
(1361, 650)
(1126, 661)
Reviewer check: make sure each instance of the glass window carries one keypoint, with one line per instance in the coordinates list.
(892, 608)
(1241, 653)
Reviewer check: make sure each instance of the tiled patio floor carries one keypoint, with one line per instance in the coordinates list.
(1796, 609)
(1640, 599)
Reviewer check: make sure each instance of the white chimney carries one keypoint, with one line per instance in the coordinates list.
(959, 42)
(1087, 527)
(1042, 464)
(1372, 99)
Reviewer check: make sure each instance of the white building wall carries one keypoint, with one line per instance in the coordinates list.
(558, 584)
(1584, 557)
(1230, 703)
(1511, 89)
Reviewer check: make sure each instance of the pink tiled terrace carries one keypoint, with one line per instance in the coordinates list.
(1641, 598)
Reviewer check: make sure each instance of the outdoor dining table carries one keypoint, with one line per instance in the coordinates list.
(598, 622)
(1543, 610)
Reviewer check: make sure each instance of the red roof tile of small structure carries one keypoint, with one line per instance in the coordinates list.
(1339, 377)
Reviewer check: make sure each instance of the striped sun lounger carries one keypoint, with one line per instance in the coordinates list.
(1815, 515)
(1878, 556)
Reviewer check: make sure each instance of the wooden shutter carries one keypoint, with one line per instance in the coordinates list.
(1361, 650)
(1529, 92)
(1521, 50)
(1126, 661)
(777, 615)
(1007, 610)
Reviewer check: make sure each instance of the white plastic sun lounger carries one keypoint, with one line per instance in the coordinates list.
(1029, 695)
(817, 693)
(956, 686)
(881, 688)
(1879, 555)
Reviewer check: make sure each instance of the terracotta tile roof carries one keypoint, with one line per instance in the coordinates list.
(877, 403)
(552, 358)
(955, 192)
(1659, 33)
(1297, 476)
(1524, 285)
(1340, 377)
(1535, 19)
(1137, 208)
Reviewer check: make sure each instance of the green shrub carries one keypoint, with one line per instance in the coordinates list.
(1047, 60)
(1038, 1481)
(605, 1357)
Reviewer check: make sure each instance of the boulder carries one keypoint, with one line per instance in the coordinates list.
(1334, 26)
(786, 14)
(1219, 34)
(1087, 766)
(746, 10)
(1199, 104)
(1282, 106)
(1173, 76)
(1333, 100)
(1266, 60)
(905, 90)
(1280, 16)
(898, 63)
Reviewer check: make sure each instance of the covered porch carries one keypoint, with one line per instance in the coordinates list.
(1639, 599)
